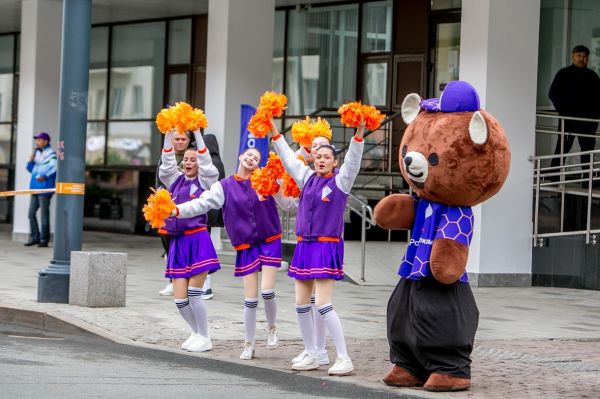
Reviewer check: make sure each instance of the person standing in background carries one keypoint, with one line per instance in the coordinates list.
(42, 166)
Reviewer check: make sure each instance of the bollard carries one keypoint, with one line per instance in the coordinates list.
(98, 279)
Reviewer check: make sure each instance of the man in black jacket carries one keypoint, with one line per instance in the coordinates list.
(182, 142)
(575, 91)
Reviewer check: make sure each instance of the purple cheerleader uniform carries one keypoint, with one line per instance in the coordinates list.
(253, 226)
(191, 251)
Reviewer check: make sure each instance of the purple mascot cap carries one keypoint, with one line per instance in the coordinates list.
(458, 96)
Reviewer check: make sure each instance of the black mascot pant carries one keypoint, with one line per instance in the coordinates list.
(431, 327)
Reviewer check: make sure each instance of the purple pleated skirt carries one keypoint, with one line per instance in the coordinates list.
(316, 259)
(250, 260)
(191, 254)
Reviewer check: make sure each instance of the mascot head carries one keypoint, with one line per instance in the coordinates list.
(452, 151)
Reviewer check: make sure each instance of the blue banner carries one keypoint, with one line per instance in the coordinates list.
(247, 139)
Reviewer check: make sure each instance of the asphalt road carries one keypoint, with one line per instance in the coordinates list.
(37, 364)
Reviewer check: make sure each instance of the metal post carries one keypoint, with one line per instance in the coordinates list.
(363, 239)
(53, 281)
(537, 175)
(589, 204)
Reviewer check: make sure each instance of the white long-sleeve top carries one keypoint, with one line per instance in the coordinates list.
(215, 199)
(169, 171)
(300, 172)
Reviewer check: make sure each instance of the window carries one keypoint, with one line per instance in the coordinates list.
(445, 4)
(377, 27)
(180, 41)
(138, 100)
(375, 83)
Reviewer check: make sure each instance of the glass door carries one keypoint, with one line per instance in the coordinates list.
(444, 52)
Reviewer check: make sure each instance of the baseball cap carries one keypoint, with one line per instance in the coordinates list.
(42, 135)
(457, 96)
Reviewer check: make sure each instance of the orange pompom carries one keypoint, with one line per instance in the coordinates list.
(166, 120)
(197, 120)
(273, 103)
(302, 132)
(275, 166)
(263, 182)
(260, 124)
(158, 208)
(290, 188)
(372, 117)
(351, 114)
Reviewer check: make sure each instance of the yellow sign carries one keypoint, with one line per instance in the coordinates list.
(70, 188)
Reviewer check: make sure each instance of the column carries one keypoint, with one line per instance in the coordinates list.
(41, 22)
(238, 67)
(499, 56)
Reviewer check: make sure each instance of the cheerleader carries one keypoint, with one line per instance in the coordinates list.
(318, 258)
(192, 255)
(253, 226)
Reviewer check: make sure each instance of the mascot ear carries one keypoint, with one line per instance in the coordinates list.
(478, 129)
(410, 107)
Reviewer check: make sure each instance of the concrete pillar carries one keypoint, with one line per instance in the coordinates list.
(498, 55)
(41, 22)
(238, 68)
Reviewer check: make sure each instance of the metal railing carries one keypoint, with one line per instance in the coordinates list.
(567, 175)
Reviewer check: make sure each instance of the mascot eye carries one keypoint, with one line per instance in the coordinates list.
(433, 159)
(404, 151)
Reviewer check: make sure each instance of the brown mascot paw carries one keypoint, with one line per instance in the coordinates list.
(448, 260)
(395, 212)
(444, 383)
(400, 377)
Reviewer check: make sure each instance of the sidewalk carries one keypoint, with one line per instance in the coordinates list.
(532, 342)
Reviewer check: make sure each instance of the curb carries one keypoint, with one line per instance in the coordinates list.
(58, 323)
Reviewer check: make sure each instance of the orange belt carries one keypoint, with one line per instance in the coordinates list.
(268, 239)
(323, 239)
(187, 232)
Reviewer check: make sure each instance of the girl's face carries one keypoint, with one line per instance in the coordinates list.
(190, 164)
(316, 143)
(325, 161)
(250, 159)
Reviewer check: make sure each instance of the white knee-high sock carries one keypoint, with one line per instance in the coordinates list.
(250, 305)
(270, 307)
(206, 285)
(199, 310)
(307, 327)
(320, 328)
(186, 312)
(332, 321)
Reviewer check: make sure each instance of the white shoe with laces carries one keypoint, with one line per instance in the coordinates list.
(200, 344)
(188, 341)
(342, 366)
(208, 294)
(272, 340)
(308, 362)
(300, 356)
(248, 352)
(168, 291)
(323, 358)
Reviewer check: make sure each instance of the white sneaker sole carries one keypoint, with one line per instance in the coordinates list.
(207, 297)
(304, 367)
(340, 373)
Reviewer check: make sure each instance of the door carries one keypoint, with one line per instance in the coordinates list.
(444, 52)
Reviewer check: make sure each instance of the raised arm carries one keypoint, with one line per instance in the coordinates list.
(207, 172)
(285, 203)
(210, 199)
(349, 170)
(168, 171)
(295, 167)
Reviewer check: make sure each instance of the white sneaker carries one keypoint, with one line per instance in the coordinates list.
(200, 344)
(300, 356)
(168, 291)
(342, 366)
(208, 294)
(188, 341)
(248, 352)
(308, 362)
(272, 340)
(323, 358)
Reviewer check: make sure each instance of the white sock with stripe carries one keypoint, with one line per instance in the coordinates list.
(307, 326)
(250, 305)
(186, 312)
(332, 321)
(320, 328)
(270, 307)
(199, 310)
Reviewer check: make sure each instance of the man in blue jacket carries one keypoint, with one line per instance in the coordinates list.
(42, 166)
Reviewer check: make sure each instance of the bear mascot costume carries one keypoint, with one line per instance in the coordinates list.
(454, 156)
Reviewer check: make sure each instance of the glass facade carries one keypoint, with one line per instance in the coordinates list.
(9, 47)
(377, 27)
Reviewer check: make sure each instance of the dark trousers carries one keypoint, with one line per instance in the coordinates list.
(43, 203)
(585, 143)
(431, 327)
